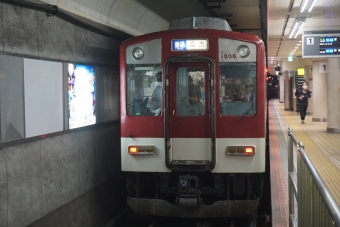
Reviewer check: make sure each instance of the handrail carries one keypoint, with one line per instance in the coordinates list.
(331, 205)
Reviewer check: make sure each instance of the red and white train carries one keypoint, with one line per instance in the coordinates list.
(193, 112)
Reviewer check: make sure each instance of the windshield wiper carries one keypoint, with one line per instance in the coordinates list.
(246, 112)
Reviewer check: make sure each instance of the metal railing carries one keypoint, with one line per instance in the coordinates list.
(316, 206)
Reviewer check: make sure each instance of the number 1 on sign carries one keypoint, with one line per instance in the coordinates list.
(323, 67)
(310, 41)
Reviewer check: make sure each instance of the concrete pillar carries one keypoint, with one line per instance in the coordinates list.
(309, 79)
(333, 92)
(281, 87)
(286, 90)
(319, 89)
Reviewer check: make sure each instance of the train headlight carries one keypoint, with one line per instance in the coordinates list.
(138, 53)
(240, 150)
(137, 150)
(243, 51)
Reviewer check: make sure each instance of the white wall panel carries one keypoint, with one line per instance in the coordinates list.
(43, 97)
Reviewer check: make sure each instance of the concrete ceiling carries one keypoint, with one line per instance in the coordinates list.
(137, 17)
(324, 16)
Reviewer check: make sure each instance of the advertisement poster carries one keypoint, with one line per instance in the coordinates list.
(81, 95)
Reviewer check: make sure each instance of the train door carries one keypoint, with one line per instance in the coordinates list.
(189, 125)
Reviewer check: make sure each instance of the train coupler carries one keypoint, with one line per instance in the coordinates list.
(188, 194)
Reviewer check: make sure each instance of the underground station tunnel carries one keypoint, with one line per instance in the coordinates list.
(169, 113)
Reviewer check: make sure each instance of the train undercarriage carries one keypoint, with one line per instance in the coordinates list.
(195, 195)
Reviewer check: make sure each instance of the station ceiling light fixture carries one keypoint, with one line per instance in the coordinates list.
(307, 4)
(298, 23)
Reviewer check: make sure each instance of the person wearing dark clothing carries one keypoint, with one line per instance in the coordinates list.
(297, 100)
(236, 96)
(194, 92)
(302, 98)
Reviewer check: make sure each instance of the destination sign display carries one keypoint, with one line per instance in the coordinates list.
(189, 44)
(317, 44)
(329, 45)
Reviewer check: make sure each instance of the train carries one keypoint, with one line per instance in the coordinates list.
(193, 120)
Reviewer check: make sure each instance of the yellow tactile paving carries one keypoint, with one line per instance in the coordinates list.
(321, 147)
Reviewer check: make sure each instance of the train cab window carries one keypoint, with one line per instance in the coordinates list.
(144, 90)
(237, 88)
(190, 91)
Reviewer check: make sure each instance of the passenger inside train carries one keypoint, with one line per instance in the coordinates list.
(237, 88)
(144, 88)
(194, 92)
(190, 92)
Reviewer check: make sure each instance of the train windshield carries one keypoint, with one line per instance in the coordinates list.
(237, 88)
(144, 90)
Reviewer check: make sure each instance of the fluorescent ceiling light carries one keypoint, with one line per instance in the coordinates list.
(299, 30)
(307, 4)
(298, 23)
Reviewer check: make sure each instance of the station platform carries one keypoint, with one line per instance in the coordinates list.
(322, 148)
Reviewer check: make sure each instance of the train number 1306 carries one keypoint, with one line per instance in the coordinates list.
(226, 56)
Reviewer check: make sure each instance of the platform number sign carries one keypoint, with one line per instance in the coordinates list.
(310, 40)
(323, 67)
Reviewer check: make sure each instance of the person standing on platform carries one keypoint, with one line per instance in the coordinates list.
(297, 100)
(302, 96)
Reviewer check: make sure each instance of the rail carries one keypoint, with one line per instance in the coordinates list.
(315, 205)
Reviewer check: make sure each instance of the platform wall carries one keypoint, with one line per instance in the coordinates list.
(70, 178)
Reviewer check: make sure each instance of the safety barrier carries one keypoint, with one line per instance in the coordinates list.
(316, 206)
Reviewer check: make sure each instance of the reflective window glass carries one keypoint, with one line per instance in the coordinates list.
(190, 89)
(237, 88)
(144, 90)
(11, 98)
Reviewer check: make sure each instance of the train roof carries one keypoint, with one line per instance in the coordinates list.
(201, 23)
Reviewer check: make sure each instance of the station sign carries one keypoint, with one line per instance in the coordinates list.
(189, 44)
(321, 44)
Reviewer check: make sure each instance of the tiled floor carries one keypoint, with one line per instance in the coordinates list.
(328, 143)
(322, 148)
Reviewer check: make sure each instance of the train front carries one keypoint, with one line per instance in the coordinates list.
(193, 120)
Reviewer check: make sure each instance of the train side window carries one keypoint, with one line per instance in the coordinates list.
(144, 90)
(237, 88)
